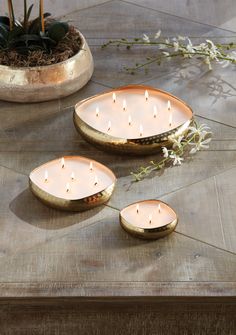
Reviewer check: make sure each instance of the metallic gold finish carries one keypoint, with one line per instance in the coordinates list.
(137, 146)
(150, 233)
(77, 205)
(43, 83)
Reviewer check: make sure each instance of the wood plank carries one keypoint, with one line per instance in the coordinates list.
(213, 12)
(103, 252)
(63, 317)
(205, 212)
(211, 94)
(26, 223)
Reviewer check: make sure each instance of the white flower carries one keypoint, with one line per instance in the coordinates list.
(189, 46)
(167, 41)
(158, 34)
(212, 45)
(193, 150)
(201, 131)
(146, 38)
(181, 38)
(177, 142)
(165, 152)
(176, 159)
(162, 46)
(224, 63)
(208, 62)
(176, 46)
(201, 144)
(165, 53)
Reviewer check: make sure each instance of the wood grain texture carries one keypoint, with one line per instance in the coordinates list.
(71, 317)
(212, 12)
(97, 277)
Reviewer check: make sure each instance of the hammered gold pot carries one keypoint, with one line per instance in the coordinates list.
(43, 83)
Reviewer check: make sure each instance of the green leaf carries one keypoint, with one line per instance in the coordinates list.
(57, 31)
(17, 31)
(3, 31)
(29, 11)
(5, 20)
(35, 26)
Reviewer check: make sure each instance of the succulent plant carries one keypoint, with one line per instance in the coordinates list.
(25, 36)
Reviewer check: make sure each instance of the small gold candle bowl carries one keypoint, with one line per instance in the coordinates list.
(133, 119)
(72, 183)
(148, 219)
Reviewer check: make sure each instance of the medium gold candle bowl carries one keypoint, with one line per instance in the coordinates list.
(77, 184)
(115, 136)
(43, 83)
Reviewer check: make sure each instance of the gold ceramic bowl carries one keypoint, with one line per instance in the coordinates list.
(94, 199)
(149, 233)
(137, 146)
(43, 83)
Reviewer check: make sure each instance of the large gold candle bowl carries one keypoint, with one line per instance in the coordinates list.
(148, 219)
(133, 119)
(72, 183)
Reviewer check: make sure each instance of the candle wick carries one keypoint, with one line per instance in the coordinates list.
(150, 219)
(109, 126)
(62, 163)
(124, 105)
(141, 130)
(169, 105)
(46, 177)
(130, 120)
(155, 112)
(95, 181)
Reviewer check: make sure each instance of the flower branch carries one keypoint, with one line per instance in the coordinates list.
(197, 137)
(180, 46)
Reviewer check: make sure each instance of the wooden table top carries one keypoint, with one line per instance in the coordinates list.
(47, 253)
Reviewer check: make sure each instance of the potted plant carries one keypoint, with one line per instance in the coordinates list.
(41, 59)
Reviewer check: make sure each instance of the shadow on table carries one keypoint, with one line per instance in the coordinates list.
(29, 209)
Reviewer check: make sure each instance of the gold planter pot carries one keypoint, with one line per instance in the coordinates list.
(43, 83)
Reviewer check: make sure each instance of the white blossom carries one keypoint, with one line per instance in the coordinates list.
(208, 62)
(224, 63)
(181, 38)
(177, 160)
(201, 144)
(177, 142)
(176, 46)
(165, 152)
(165, 53)
(146, 38)
(158, 34)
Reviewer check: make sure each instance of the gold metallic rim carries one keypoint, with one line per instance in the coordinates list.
(139, 146)
(77, 205)
(149, 234)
